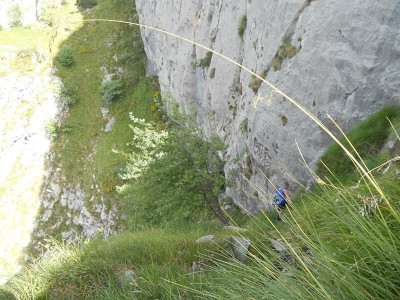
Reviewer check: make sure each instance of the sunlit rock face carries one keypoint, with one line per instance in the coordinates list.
(27, 103)
(342, 60)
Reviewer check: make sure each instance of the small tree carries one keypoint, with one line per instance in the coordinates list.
(181, 182)
(15, 16)
(145, 148)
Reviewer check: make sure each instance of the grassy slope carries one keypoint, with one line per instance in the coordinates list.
(94, 47)
(83, 148)
(159, 258)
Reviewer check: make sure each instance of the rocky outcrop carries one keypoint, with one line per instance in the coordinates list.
(334, 57)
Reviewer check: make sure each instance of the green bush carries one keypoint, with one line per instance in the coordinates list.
(182, 185)
(242, 26)
(68, 94)
(111, 90)
(15, 16)
(65, 57)
(85, 4)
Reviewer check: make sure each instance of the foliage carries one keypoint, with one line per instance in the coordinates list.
(206, 61)
(242, 26)
(68, 94)
(145, 148)
(285, 51)
(256, 82)
(46, 17)
(65, 56)
(15, 16)
(142, 265)
(183, 184)
(85, 4)
(367, 138)
(52, 129)
(111, 89)
(332, 249)
(83, 147)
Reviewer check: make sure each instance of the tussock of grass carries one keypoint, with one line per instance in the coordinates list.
(333, 250)
(256, 82)
(242, 26)
(367, 138)
(285, 51)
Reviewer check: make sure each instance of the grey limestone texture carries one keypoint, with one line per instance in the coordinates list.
(346, 67)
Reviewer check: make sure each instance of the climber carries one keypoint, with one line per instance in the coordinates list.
(282, 197)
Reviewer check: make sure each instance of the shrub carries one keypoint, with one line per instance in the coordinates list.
(181, 185)
(15, 16)
(68, 94)
(85, 4)
(65, 57)
(206, 61)
(146, 143)
(111, 89)
(242, 26)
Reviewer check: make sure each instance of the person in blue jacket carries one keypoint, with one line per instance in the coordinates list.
(281, 198)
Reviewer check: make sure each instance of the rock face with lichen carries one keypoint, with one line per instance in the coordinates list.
(339, 60)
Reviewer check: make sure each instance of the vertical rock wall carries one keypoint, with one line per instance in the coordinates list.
(342, 60)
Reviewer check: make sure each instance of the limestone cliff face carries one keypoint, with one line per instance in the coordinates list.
(334, 57)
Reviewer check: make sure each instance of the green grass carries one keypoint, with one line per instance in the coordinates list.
(83, 146)
(286, 51)
(94, 47)
(255, 82)
(160, 261)
(335, 249)
(367, 138)
(332, 250)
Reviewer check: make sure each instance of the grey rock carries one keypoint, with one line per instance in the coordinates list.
(205, 239)
(277, 246)
(235, 228)
(109, 124)
(240, 247)
(347, 67)
(126, 277)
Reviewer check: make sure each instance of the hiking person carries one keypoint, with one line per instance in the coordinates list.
(282, 197)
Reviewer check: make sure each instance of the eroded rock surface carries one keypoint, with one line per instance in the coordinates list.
(342, 60)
